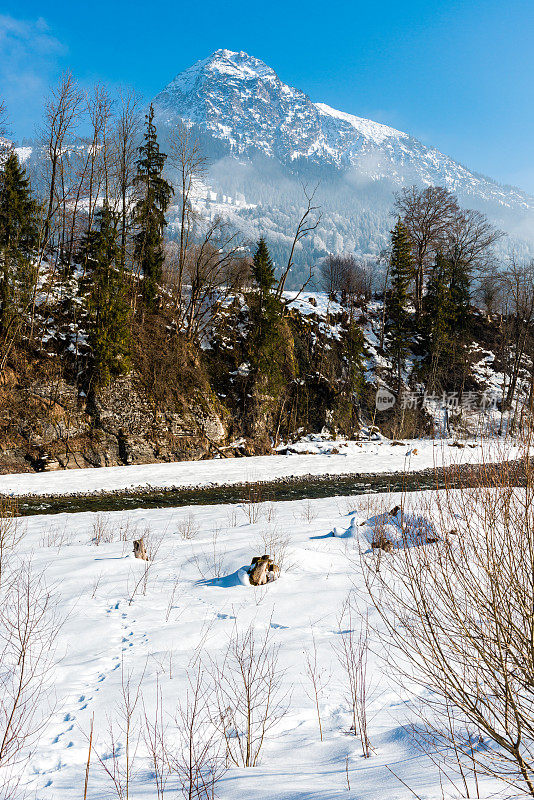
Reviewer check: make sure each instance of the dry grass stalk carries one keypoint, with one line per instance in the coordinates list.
(253, 506)
(249, 695)
(318, 679)
(352, 652)
(188, 528)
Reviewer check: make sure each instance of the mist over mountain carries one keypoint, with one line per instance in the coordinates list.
(265, 140)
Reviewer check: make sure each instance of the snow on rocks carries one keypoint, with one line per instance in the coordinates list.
(389, 529)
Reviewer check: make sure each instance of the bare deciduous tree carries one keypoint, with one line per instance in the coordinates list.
(458, 619)
(427, 214)
(307, 223)
(518, 283)
(5, 145)
(61, 112)
(344, 275)
(318, 678)
(211, 273)
(352, 651)
(490, 293)
(190, 165)
(155, 738)
(469, 239)
(118, 757)
(199, 760)
(11, 532)
(123, 146)
(3, 118)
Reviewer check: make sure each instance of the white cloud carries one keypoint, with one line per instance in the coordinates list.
(29, 58)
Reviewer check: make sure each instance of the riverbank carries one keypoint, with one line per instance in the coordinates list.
(347, 459)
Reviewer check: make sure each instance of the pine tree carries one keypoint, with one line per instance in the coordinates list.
(460, 298)
(354, 346)
(262, 268)
(461, 319)
(268, 343)
(397, 319)
(437, 319)
(19, 236)
(150, 211)
(446, 322)
(268, 306)
(107, 302)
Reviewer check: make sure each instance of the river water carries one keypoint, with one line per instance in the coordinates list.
(287, 489)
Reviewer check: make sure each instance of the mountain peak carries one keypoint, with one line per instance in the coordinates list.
(239, 65)
(264, 137)
(226, 64)
(240, 102)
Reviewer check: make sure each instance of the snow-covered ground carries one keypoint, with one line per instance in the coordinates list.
(313, 456)
(195, 598)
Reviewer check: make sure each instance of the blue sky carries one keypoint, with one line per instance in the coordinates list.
(458, 75)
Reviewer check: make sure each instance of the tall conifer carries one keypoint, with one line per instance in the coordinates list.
(397, 319)
(263, 268)
(107, 302)
(446, 323)
(437, 319)
(19, 235)
(150, 211)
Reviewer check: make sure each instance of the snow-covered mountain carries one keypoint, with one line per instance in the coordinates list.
(265, 138)
(240, 101)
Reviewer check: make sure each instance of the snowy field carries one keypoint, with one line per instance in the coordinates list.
(314, 456)
(153, 623)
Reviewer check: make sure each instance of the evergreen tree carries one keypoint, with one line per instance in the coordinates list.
(437, 319)
(263, 272)
(268, 311)
(19, 236)
(446, 323)
(262, 268)
(150, 211)
(460, 320)
(354, 353)
(397, 318)
(107, 302)
(460, 299)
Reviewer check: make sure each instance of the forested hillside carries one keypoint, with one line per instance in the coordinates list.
(126, 339)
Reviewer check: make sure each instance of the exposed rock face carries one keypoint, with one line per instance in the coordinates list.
(58, 430)
(203, 404)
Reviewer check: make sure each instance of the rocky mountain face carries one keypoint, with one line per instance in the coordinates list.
(182, 402)
(264, 138)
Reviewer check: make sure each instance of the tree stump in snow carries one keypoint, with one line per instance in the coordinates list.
(139, 549)
(263, 570)
(381, 542)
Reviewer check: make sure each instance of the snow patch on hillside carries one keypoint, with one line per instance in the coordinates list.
(375, 131)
